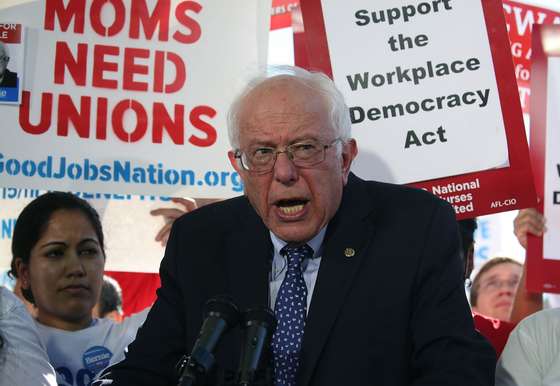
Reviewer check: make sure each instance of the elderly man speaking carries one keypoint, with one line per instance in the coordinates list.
(364, 278)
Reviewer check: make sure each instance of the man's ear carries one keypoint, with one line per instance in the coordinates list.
(233, 161)
(349, 152)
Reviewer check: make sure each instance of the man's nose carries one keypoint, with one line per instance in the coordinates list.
(284, 170)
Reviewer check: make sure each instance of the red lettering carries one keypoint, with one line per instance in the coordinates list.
(101, 119)
(95, 17)
(64, 60)
(141, 121)
(100, 66)
(67, 112)
(188, 22)
(75, 9)
(159, 69)
(162, 121)
(180, 73)
(160, 17)
(46, 112)
(131, 68)
(203, 126)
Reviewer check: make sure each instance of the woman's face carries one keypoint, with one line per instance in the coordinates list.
(65, 271)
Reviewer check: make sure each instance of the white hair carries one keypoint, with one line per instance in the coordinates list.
(317, 81)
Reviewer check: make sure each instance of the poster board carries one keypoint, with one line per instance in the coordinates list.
(543, 253)
(130, 97)
(474, 188)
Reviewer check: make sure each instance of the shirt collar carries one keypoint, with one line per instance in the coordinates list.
(315, 243)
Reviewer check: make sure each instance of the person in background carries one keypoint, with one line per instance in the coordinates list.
(532, 353)
(23, 359)
(7, 77)
(110, 301)
(494, 286)
(58, 254)
(496, 331)
(340, 244)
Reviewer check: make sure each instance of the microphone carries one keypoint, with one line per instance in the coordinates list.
(259, 324)
(221, 314)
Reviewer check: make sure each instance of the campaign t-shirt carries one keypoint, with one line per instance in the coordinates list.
(78, 356)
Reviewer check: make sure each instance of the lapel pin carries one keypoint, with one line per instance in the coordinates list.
(349, 252)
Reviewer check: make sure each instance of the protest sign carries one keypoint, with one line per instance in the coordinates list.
(429, 88)
(543, 253)
(130, 96)
(519, 21)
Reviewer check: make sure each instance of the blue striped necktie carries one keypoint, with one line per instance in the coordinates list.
(291, 311)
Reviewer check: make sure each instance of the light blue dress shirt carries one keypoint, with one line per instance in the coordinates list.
(310, 267)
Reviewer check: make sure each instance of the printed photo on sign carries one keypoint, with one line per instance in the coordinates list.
(12, 50)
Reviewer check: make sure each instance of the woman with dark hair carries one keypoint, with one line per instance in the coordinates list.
(58, 255)
(23, 359)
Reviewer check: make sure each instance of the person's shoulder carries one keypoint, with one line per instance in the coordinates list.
(548, 319)
(402, 197)
(9, 302)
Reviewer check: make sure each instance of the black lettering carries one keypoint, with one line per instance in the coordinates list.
(363, 17)
(411, 139)
(356, 110)
(358, 79)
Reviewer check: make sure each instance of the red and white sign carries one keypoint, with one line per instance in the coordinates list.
(519, 21)
(130, 96)
(543, 253)
(429, 87)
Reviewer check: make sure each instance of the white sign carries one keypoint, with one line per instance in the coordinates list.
(130, 96)
(551, 240)
(419, 80)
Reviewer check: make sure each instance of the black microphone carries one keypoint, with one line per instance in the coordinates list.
(259, 324)
(221, 314)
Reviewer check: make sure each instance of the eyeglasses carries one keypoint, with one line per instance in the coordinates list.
(303, 154)
(4, 58)
(495, 284)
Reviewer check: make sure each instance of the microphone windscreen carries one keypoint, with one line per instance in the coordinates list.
(223, 307)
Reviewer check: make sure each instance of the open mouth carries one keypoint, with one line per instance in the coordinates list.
(291, 207)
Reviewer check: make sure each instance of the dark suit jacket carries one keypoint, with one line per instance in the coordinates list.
(395, 313)
(9, 79)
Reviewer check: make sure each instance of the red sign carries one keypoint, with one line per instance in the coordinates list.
(10, 33)
(472, 194)
(519, 21)
(543, 275)
(281, 13)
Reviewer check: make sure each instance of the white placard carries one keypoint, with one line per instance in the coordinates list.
(420, 83)
(551, 240)
(125, 104)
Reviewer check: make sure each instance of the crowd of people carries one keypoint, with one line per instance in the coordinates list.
(365, 279)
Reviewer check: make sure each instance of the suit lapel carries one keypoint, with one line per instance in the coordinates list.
(249, 252)
(347, 239)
